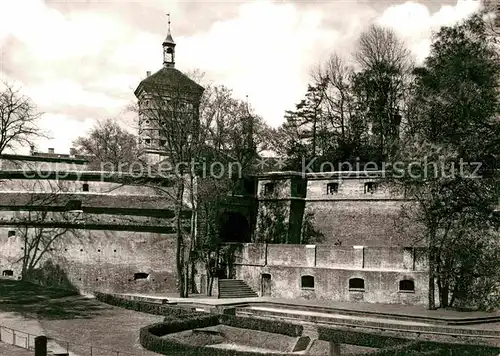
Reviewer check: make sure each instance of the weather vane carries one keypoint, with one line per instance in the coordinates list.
(168, 15)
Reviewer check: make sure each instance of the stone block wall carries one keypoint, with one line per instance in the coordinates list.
(362, 222)
(103, 260)
(333, 284)
(361, 209)
(331, 268)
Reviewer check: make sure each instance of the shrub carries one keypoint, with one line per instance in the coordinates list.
(168, 311)
(359, 338)
(270, 326)
(151, 339)
(398, 346)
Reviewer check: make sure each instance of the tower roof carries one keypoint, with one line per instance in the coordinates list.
(169, 79)
(169, 39)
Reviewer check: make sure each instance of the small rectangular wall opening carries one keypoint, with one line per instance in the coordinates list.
(332, 188)
(370, 187)
(269, 188)
(307, 282)
(407, 286)
(356, 285)
(140, 275)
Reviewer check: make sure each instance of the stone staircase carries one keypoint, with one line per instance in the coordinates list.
(235, 288)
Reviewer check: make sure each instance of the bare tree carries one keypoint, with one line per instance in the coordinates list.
(379, 45)
(169, 105)
(18, 119)
(380, 85)
(108, 146)
(40, 224)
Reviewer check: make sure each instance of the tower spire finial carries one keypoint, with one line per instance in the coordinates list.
(169, 48)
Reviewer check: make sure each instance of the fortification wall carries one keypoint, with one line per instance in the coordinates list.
(333, 284)
(332, 269)
(27, 163)
(354, 214)
(75, 186)
(362, 222)
(104, 260)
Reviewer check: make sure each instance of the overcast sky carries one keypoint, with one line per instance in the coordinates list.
(80, 60)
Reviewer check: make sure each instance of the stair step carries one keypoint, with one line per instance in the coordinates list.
(235, 288)
(238, 296)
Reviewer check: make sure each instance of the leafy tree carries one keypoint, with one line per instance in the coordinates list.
(452, 131)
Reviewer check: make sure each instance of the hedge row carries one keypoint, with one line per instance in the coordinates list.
(149, 308)
(270, 326)
(359, 338)
(395, 346)
(151, 336)
(151, 339)
(412, 348)
(447, 349)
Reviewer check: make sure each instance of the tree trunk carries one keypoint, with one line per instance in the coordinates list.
(444, 292)
(432, 273)
(179, 253)
(210, 285)
(192, 282)
(186, 279)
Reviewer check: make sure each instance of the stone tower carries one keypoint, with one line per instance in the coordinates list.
(160, 96)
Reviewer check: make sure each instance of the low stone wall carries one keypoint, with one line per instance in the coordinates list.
(333, 284)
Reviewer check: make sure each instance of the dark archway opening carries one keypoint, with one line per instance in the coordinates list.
(234, 227)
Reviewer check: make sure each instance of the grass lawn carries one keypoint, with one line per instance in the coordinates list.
(9, 350)
(21, 292)
(71, 318)
(108, 329)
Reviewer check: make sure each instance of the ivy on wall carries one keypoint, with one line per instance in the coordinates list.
(272, 217)
(310, 235)
(272, 222)
(276, 218)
